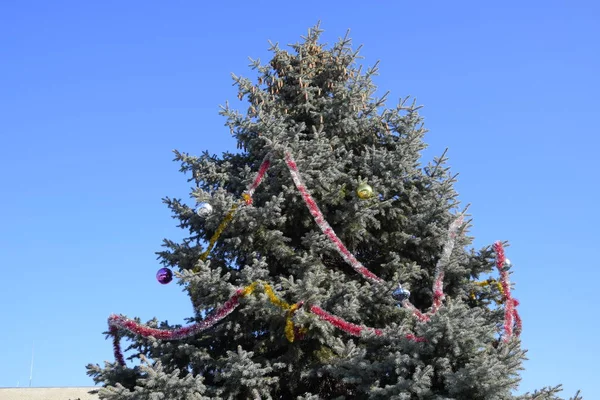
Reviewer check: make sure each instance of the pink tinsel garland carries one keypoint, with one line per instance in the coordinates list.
(511, 315)
(351, 328)
(121, 322)
(324, 225)
(116, 322)
(114, 331)
(264, 166)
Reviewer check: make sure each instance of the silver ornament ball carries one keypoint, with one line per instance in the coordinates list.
(204, 209)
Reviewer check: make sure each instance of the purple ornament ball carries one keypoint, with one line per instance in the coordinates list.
(164, 276)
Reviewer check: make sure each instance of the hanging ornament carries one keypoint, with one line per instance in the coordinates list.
(507, 264)
(400, 294)
(364, 191)
(204, 210)
(164, 276)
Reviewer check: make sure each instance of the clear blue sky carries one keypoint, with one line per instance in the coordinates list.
(95, 95)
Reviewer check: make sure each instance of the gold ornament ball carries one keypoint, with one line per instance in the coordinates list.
(364, 191)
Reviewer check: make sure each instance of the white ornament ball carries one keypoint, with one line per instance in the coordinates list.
(507, 264)
(204, 209)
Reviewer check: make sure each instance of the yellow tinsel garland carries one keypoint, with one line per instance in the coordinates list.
(291, 309)
(490, 282)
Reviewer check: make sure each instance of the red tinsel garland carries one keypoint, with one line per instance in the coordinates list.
(324, 225)
(353, 329)
(116, 322)
(264, 166)
(511, 315)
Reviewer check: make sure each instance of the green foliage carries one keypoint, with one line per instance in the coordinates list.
(320, 105)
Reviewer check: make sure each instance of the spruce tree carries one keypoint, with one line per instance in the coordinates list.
(313, 258)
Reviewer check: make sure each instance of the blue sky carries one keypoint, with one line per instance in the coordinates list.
(95, 95)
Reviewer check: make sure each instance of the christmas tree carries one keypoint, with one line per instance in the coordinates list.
(324, 260)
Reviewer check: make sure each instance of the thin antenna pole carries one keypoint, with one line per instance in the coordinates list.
(31, 371)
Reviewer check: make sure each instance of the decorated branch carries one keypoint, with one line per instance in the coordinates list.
(120, 322)
(512, 320)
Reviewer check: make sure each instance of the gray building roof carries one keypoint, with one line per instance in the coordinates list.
(55, 393)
